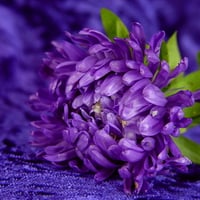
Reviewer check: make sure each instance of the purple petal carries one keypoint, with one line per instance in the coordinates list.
(65, 68)
(139, 85)
(153, 62)
(158, 112)
(103, 174)
(40, 140)
(163, 154)
(60, 157)
(85, 115)
(77, 102)
(102, 62)
(98, 157)
(145, 72)
(137, 51)
(66, 113)
(196, 95)
(118, 66)
(76, 116)
(173, 148)
(162, 78)
(176, 132)
(183, 123)
(181, 98)
(87, 79)
(75, 165)
(123, 47)
(150, 126)
(141, 184)
(38, 105)
(92, 126)
(130, 131)
(114, 152)
(148, 143)
(132, 105)
(83, 141)
(44, 125)
(98, 50)
(128, 185)
(101, 72)
(78, 39)
(53, 134)
(98, 36)
(111, 85)
(150, 164)
(176, 113)
(182, 67)
(88, 97)
(70, 135)
(132, 156)
(168, 128)
(133, 64)
(126, 143)
(106, 102)
(130, 77)
(124, 172)
(89, 165)
(137, 34)
(180, 161)
(58, 148)
(103, 140)
(86, 64)
(114, 124)
(73, 79)
(127, 112)
(69, 50)
(153, 59)
(154, 95)
(155, 42)
(80, 124)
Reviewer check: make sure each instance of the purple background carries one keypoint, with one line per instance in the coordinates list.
(27, 28)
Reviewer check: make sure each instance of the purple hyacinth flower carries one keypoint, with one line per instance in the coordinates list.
(106, 111)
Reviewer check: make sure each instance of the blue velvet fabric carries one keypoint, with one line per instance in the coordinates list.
(26, 30)
(24, 177)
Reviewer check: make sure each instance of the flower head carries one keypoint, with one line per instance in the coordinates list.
(106, 111)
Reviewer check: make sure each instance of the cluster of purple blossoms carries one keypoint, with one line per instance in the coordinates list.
(105, 110)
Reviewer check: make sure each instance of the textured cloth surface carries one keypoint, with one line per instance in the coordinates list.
(23, 177)
(26, 30)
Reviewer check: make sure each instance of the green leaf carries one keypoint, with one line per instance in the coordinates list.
(198, 58)
(173, 53)
(113, 26)
(193, 112)
(164, 51)
(188, 148)
(195, 121)
(189, 82)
